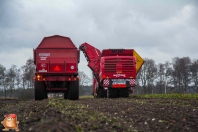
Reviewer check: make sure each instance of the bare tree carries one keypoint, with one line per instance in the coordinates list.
(168, 72)
(84, 81)
(147, 75)
(194, 74)
(181, 73)
(30, 71)
(11, 78)
(27, 73)
(2, 77)
(161, 77)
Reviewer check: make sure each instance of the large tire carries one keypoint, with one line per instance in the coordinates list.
(40, 92)
(124, 92)
(66, 95)
(102, 93)
(112, 93)
(73, 93)
(45, 95)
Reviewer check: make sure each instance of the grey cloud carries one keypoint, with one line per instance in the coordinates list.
(104, 24)
(9, 13)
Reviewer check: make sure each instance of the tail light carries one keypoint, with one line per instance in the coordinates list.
(103, 76)
(38, 76)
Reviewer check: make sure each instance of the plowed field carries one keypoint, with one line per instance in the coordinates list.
(103, 115)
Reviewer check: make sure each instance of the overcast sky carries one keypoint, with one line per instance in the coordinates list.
(156, 29)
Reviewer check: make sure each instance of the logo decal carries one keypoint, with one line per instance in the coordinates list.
(119, 75)
(43, 65)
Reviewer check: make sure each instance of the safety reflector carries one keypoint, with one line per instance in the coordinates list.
(57, 68)
(106, 82)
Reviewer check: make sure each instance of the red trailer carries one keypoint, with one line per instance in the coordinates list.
(114, 70)
(56, 59)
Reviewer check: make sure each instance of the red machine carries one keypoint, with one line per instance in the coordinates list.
(56, 59)
(114, 70)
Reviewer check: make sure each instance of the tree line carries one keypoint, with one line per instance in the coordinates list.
(18, 82)
(178, 76)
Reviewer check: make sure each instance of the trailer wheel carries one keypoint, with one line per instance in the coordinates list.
(112, 93)
(66, 95)
(124, 92)
(40, 92)
(73, 93)
(45, 95)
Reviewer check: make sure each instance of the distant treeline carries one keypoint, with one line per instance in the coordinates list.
(18, 82)
(21, 93)
(178, 76)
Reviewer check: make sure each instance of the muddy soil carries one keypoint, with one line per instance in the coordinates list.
(103, 115)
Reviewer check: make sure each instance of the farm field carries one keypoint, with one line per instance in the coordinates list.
(137, 113)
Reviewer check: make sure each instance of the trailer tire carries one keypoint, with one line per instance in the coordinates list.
(124, 92)
(112, 93)
(66, 95)
(40, 92)
(73, 93)
(45, 95)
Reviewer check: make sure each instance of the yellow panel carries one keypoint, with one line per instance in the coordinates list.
(139, 61)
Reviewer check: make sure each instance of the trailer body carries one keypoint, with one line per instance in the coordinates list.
(114, 70)
(56, 59)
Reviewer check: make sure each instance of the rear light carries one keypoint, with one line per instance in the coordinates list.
(38, 76)
(103, 76)
(69, 79)
(74, 78)
(44, 79)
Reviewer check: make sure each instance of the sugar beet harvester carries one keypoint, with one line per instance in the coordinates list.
(114, 70)
(56, 59)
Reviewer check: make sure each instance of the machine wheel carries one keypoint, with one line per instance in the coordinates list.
(73, 93)
(102, 93)
(40, 92)
(112, 93)
(124, 92)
